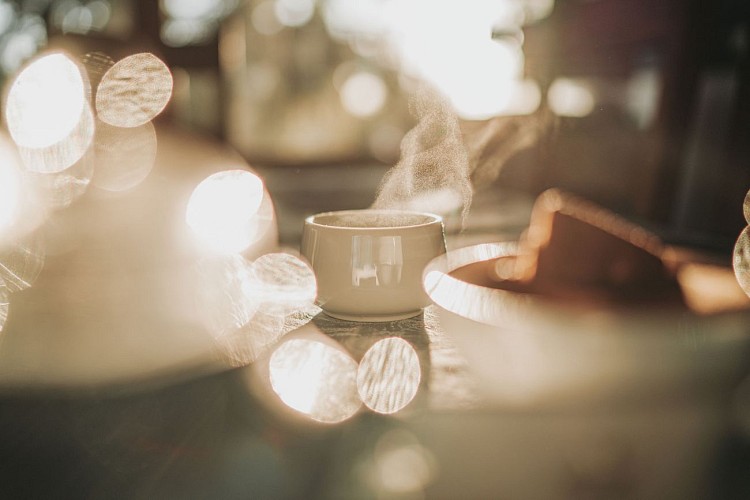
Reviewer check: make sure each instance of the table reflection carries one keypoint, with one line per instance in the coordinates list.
(327, 369)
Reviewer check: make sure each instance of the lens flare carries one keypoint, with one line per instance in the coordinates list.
(124, 156)
(247, 306)
(10, 188)
(46, 102)
(389, 375)
(244, 345)
(134, 91)
(21, 262)
(96, 65)
(285, 283)
(741, 260)
(315, 379)
(221, 299)
(61, 189)
(4, 304)
(223, 210)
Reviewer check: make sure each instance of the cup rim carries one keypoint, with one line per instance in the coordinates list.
(433, 219)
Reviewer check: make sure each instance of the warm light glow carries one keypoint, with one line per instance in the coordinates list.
(46, 102)
(21, 262)
(7, 16)
(284, 282)
(194, 9)
(536, 10)
(402, 464)
(124, 156)
(222, 210)
(445, 202)
(525, 97)
(183, 32)
(62, 188)
(569, 97)
(264, 18)
(363, 94)
(75, 17)
(389, 375)
(294, 13)
(479, 86)
(23, 42)
(64, 153)
(448, 44)
(134, 91)
(642, 96)
(10, 188)
(220, 294)
(746, 207)
(4, 304)
(741, 260)
(244, 345)
(248, 306)
(384, 142)
(315, 379)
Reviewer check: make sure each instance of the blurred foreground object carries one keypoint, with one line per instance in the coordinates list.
(115, 302)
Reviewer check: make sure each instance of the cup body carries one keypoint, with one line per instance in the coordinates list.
(369, 263)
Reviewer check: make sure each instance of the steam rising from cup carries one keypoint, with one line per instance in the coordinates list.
(441, 164)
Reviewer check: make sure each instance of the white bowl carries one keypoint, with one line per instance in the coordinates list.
(369, 263)
(528, 350)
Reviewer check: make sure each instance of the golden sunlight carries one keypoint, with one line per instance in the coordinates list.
(64, 153)
(223, 207)
(315, 379)
(46, 101)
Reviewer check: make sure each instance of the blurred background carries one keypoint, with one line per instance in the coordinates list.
(641, 106)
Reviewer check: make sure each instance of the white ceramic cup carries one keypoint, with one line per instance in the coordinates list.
(369, 263)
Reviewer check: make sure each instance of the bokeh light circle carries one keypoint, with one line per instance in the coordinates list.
(388, 376)
(45, 102)
(64, 153)
(285, 282)
(134, 91)
(741, 260)
(4, 304)
(315, 379)
(222, 210)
